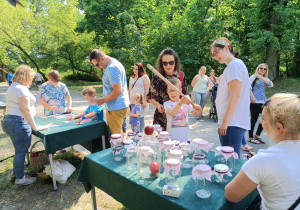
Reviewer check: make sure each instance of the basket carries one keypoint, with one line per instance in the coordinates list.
(38, 159)
(42, 175)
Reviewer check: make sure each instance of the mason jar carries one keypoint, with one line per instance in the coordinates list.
(166, 147)
(202, 176)
(172, 172)
(199, 159)
(148, 157)
(118, 152)
(187, 152)
(228, 153)
(115, 139)
(131, 160)
(220, 171)
(176, 154)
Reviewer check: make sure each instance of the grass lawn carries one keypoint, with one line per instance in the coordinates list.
(71, 195)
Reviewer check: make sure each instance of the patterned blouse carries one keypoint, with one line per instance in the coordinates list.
(54, 96)
(158, 92)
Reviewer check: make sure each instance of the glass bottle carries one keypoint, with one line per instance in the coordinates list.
(202, 175)
(172, 172)
(148, 157)
(187, 153)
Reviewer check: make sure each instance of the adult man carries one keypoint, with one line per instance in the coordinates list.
(115, 93)
(52, 95)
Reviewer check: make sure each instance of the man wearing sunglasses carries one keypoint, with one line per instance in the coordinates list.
(115, 93)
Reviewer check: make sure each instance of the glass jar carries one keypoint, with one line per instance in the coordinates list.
(202, 175)
(187, 152)
(166, 147)
(220, 158)
(199, 159)
(175, 154)
(172, 172)
(115, 139)
(131, 158)
(118, 152)
(202, 146)
(128, 143)
(221, 170)
(163, 136)
(230, 156)
(157, 129)
(148, 157)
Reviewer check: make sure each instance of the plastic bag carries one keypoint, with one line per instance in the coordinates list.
(62, 170)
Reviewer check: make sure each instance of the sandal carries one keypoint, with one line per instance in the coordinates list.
(259, 139)
(254, 141)
(247, 148)
(252, 153)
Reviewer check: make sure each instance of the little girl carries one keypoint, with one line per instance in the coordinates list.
(136, 100)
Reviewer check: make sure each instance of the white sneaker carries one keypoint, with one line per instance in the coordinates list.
(12, 176)
(26, 180)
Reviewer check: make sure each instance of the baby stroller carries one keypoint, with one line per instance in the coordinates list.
(213, 108)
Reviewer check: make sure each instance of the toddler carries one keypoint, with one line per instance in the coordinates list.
(136, 100)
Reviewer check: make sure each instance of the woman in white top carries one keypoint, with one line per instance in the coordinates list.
(139, 83)
(199, 84)
(233, 98)
(274, 171)
(18, 121)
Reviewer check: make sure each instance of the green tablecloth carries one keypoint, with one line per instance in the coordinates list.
(99, 169)
(68, 134)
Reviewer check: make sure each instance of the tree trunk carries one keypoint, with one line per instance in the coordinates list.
(272, 55)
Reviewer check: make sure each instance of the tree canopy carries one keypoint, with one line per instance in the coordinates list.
(60, 34)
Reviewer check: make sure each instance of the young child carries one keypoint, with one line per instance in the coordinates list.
(136, 100)
(93, 110)
(177, 112)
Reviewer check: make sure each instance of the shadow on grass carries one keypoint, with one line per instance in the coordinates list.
(41, 195)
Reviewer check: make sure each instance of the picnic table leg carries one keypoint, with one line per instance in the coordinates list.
(93, 194)
(103, 143)
(52, 172)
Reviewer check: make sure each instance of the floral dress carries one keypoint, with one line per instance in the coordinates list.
(158, 92)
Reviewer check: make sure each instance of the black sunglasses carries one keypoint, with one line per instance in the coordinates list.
(170, 62)
(263, 68)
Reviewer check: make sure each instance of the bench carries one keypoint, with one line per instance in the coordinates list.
(3, 107)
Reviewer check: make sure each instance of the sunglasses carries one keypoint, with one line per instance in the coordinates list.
(261, 68)
(171, 63)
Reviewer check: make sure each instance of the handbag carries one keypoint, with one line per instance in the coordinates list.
(62, 170)
(37, 158)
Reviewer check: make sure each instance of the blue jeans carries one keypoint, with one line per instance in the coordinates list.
(199, 98)
(142, 124)
(19, 132)
(233, 138)
(244, 141)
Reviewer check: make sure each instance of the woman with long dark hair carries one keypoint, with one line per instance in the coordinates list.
(168, 64)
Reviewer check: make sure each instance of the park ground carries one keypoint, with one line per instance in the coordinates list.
(71, 195)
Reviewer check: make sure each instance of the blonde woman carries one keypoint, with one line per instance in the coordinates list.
(275, 171)
(259, 82)
(18, 121)
(199, 84)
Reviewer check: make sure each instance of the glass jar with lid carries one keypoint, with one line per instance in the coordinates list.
(148, 156)
(172, 172)
(221, 170)
(175, 154)
(187, 153)
(202, 175)
(115, 139)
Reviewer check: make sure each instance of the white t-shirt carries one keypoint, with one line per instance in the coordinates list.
(277, 172)
(178, 126)
(38, 77)
(15, 91)
(236, 69)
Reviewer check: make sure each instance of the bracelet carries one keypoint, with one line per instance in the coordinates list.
(83, 117)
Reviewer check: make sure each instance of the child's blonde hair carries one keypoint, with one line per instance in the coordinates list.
(138, 97)
(89, 91)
